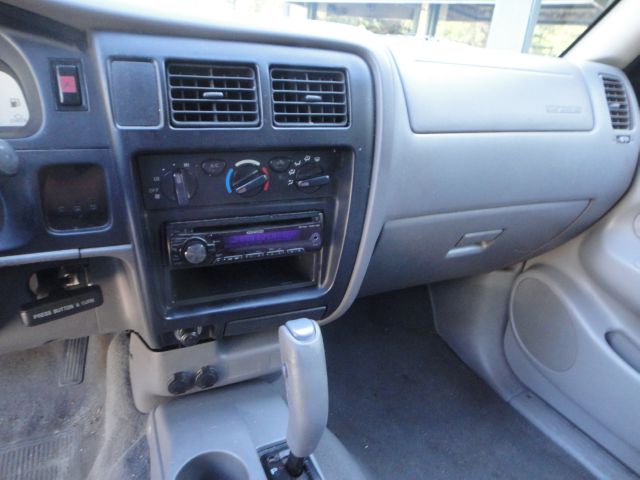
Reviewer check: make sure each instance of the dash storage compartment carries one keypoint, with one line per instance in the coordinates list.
(420, 250)
(247, 278)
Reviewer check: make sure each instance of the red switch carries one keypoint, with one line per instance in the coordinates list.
(68, 84)
(69, 94)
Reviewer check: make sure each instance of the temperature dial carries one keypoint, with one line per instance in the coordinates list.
(248, 178)
(194, 251)
(179, 185)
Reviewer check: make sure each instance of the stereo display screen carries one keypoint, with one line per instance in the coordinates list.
(261, 238)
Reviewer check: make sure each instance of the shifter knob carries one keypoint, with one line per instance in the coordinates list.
(305, 375)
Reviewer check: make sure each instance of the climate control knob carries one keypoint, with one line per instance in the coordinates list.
(179, 185)
(249, 179)
(311, 177)
(194, 251)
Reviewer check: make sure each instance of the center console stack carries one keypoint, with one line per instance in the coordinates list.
(250, 178)
(251, 226)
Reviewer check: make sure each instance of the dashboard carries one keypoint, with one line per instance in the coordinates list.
(179, 175)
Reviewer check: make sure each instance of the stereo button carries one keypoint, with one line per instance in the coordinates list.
(214, 167)
(232, 258)
(254, 255)
(279, 164)
(295, 251)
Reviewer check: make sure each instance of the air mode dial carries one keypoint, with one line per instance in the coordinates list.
(310, 177)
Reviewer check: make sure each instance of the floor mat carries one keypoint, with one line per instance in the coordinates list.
(47, 458)
(38, 416)
(404, 404)
(57, 420)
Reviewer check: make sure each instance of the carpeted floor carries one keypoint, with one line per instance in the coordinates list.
(404, 404)
(56, 424)
(400, 400)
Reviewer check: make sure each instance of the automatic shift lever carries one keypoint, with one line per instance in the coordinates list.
(305, 376)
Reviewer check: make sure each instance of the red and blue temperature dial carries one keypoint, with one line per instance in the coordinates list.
(247, 178)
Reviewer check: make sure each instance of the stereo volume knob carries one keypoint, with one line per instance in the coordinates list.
(194, 251)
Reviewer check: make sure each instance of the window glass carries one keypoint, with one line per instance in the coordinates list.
(561, 22)
(462, 23)
(503, 24)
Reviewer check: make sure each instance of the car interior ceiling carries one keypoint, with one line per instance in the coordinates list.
(240, 248)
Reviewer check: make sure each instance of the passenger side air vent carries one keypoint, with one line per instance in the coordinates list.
(617, 101)
(309, 98)
(212, 95)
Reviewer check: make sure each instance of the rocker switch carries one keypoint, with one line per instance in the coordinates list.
(68, 85)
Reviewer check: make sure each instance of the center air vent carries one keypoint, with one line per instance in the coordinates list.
(617, 102)
(309, 98)
(210, 95)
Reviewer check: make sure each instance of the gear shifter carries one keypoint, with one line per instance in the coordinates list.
(305, 376)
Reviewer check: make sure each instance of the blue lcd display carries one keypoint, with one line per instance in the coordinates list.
(261, 238)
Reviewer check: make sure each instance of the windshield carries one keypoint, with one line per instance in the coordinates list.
(545, 27)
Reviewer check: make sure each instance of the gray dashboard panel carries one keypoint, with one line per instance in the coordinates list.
(417, 175)
(481, 91)
(95, 16)
(432, 174)
(419, 250)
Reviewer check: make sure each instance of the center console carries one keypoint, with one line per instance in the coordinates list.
(251, 186)
(237, 225)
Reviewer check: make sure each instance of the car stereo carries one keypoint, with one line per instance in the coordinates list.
(221, 241)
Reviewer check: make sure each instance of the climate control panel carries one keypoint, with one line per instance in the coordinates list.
(206, 179)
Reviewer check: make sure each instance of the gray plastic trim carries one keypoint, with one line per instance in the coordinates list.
(481, 90)
(146, 111)
(591, 455)
(414, 251)
(235, 359)
(471, 314)
(235, 423)
(596, 277)
(626, 348)
(113, 270)
(39, 257)
(599, 392)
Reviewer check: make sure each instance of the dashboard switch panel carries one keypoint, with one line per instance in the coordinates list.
(213, 179)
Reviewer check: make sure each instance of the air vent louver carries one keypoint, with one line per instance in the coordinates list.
(617, 102)
(309, 98)
(212, 95)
